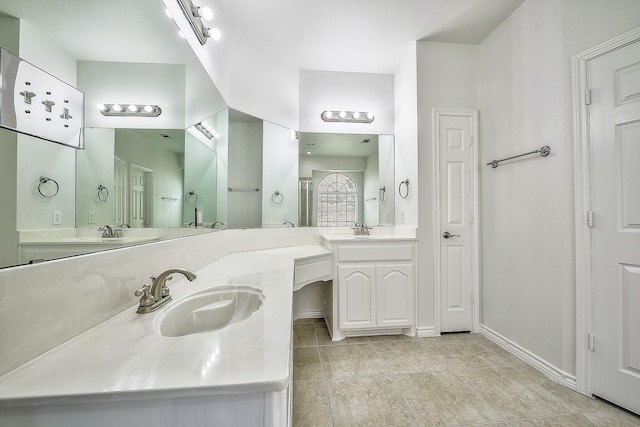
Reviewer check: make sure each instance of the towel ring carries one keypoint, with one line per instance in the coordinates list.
(383, 191)
(406, 183)
(277, 198)
(191, 197)
(44, 180)
(103, 193)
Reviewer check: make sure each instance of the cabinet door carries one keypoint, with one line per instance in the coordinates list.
(396, 284)
(356, 296)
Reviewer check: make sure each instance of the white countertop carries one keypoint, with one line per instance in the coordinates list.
(110, 241)
(125, 359)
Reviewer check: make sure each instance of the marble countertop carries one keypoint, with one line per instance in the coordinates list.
(111, 241)
(125, 359)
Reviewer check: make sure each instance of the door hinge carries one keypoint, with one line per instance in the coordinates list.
(592, 342)
(589, 218)
(587, 96)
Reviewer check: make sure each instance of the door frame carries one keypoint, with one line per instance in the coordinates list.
(582, 203)
(474, 241)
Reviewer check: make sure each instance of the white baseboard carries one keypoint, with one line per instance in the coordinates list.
(309, 314)
(426, 332)
(540, 364)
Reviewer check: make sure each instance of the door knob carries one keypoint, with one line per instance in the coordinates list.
(447, 235)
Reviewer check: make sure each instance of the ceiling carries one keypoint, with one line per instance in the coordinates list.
(336, 35)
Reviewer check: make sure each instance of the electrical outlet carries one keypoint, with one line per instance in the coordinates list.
(92, 218)
(285, 215)
(56, 218)
(402, 217)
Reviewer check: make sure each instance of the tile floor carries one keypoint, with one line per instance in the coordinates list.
(453, 380)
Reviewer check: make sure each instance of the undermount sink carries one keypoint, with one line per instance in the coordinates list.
(209, 310)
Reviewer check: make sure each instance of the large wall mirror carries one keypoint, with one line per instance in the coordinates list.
(150, 179)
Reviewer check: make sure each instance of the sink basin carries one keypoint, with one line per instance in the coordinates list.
(209, 310)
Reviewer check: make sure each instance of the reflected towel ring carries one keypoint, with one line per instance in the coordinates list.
(406, 183)
(383, 191)
(103, 193)
(44, 180)
(277, 198)
(191, 197)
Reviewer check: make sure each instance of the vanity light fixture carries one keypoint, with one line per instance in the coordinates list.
(207, 130)
(347, 116)
(194, 15)
(131, 110)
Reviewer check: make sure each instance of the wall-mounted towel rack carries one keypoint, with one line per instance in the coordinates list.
(44, 180)
(544, 152)
(242, 189)
(175, 199)
(191, 197)
(103, 193)
(277, 198)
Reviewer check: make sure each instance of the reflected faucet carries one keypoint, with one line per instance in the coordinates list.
(361, 229)
(217, 223)
(107, 231)
(156, 295)
(289, 223)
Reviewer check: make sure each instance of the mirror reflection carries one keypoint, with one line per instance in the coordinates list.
(346, 179)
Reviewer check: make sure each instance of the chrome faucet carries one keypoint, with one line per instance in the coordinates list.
(156, 295)
(361, 229)
(217, 223)
(289, 223)
(108, 232)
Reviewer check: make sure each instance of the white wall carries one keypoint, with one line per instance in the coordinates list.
(200, 177)
(202, 98)
(132, 83)
(261, 84)
(279, 173)
(386, 170)
(94, 166)
(525, 100)
(329, 90)
(8, 187)
(222, 151)
(406, 138)
(446, 78)
(244, 208)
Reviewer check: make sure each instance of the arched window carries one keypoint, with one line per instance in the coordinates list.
(337, 201)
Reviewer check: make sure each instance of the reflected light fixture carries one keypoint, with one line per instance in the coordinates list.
(347, 116)
(132, 110)
(207, 130)
(195, 15)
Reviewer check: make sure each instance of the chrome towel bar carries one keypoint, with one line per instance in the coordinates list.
(242, 189)
(544, 152)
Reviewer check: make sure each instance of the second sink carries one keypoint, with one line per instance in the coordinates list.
(209, 310)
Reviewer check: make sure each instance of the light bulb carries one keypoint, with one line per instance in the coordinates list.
(328, 114)
(343, 114)
(209, 128)
(148, 109)
(216, 135)
(102, 107)
(204, 123)
(356, 115)
(370, 116)
(133, 108)
(212, 33)
(117, 107)
(206, 13)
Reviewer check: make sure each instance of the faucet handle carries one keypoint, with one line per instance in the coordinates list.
(145, 298)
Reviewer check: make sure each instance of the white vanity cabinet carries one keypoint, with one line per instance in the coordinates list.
(374, 288)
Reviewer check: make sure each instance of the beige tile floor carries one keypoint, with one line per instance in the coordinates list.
(453, 380)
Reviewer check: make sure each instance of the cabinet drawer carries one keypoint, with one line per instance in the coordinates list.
(312, 270)
(375, 252)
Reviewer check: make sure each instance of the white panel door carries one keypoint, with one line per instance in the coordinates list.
(356, 296)
(454, 144)
(395, 290)
(119, 187)
(614, 119)
(137, 203)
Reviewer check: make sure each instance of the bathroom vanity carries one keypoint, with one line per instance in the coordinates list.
(373, 291)
(128, 371)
